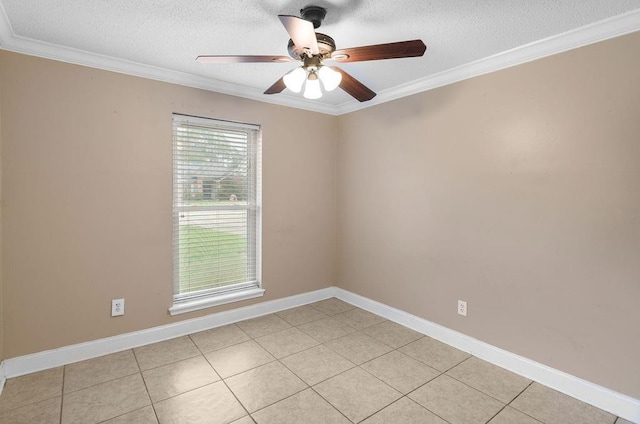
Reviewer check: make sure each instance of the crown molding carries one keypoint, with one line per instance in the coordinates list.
(10, 41)
(589, 34)
(6, 31)
(599, 31)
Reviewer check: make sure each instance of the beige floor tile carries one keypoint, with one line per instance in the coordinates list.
(552, 407)
(301, 315)
(490, 379)
(511, 416)
(105, 401)
(81, 375)
(218, 338)
(209, 404)
(261, 326)
(173, 379)
(358, 347)
(392, 334)
(357, 394)
(163, 353)
(244, 420)
(455, 402)
(359, 318)
(326, 329)
(238, 358)
(31, 388)
(317, 364)
(286, 342)
(264, 385)
(332, 306)
(404, 411)
(400, 371)
(44, 412)
(305, 407)
(434, 353)
(145, 415)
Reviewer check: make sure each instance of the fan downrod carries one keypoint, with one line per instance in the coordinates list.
(314, 14)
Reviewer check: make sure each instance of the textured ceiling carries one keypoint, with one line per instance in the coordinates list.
(169, 34)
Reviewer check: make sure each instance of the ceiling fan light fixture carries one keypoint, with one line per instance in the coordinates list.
(295, 79)
(312, 88)
(311, 48)
(330, 78)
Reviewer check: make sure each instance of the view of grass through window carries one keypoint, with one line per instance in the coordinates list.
(205, 249)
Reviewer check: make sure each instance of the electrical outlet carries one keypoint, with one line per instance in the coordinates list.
(117, 307)
(462, 308)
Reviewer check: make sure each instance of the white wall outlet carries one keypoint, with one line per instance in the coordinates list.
(462, 308)
(117, 307)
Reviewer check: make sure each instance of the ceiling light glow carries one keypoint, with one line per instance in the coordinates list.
(330, 78)
(294, 79)
(312, 89)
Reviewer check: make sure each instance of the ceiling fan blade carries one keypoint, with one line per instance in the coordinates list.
(355, 88)
(276, 88)
(301, 32)
(242, 59)
(412, 48)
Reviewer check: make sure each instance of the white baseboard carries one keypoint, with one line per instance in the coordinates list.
(27, 364)
(593, 394)
(601, 397)
(3, 379)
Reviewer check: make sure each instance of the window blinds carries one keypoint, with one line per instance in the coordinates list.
(215, 207)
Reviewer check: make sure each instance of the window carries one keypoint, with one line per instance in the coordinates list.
(216, 213)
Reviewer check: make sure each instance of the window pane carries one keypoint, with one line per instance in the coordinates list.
(215, 206)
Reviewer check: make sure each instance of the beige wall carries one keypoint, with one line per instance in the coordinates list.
(86, 188)
(1, 207)
(519, 192)
(516, 191)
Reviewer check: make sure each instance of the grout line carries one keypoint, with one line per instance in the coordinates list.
(494, 415)
(164, 364)
(323, 398)
(125, 413)
(517, 396)
(384, 407)
(30, 402)
(521, 392)
(328, 378)
(308, 386)
(284, 398)
(102, 382)
(145, 385)
(478, 390)
(222, 379)
(220, 348)
(279, 360)
(64, 372)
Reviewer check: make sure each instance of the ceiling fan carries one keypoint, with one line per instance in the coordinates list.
(312, 49)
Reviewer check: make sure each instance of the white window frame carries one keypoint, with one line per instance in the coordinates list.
(188, 302)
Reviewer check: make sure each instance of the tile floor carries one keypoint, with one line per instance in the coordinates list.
(324, 363)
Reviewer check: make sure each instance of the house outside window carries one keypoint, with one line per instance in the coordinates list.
(216, 212)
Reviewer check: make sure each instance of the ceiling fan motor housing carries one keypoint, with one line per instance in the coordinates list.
(326, 45)
(313, 48)
(314, 14)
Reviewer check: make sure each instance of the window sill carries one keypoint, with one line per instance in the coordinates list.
(195, 305)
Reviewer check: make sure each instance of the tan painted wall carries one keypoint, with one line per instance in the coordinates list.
(1, 207)
(519, 192)
(86, 181)
(516, 191)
